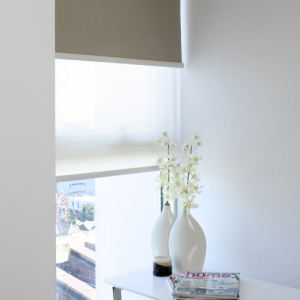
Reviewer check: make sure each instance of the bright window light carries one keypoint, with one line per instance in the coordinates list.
(110, 114)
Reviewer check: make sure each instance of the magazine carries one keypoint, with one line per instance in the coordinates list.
(173, 279)
(206, 285)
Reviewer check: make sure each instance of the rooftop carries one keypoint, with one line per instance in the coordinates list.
(75, 284)
(84, 198)
(65, 228)
(86, 252)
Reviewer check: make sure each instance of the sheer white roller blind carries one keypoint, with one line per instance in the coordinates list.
(145, 30)
(108, 115)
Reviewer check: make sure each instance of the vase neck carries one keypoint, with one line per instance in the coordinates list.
(185, 211)
(168, 211)
(167, 207)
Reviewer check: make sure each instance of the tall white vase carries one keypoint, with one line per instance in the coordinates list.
(187, 244)
(161, 232)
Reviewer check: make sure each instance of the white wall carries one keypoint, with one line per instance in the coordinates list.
(240, 91)
(127, 208)
(27, 178)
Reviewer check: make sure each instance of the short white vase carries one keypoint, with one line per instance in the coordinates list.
(161, 232)
(187, 244)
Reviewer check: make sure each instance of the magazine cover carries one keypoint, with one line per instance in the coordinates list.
(173, 279)
(208, 285)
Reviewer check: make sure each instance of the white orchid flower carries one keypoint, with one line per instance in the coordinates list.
(189, 204)
(190, 166)
(158, 141)
(169, 192)
(195, 177)
(182, 169)
(185, 146)
(173, 158)
(193, 185)
(179, 180)
(196, 136)
(165, 143)
(159, 161)
(185, 192)
(175, 174)
(162, 178)
(165, 164)
(178, 184)
(195, 158)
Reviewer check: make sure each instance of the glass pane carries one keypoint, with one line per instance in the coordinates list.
(75, 240)
(108, 115)
(94, 98)
(127, 207)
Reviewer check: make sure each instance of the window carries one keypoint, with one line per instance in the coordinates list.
(108, 115)
(62, 211)
(74, 257)
(107, 118)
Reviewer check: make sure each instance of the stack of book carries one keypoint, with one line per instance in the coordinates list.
(205, 285)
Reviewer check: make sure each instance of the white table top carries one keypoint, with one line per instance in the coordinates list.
(144, 283)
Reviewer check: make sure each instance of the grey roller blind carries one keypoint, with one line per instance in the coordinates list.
(146, 30)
